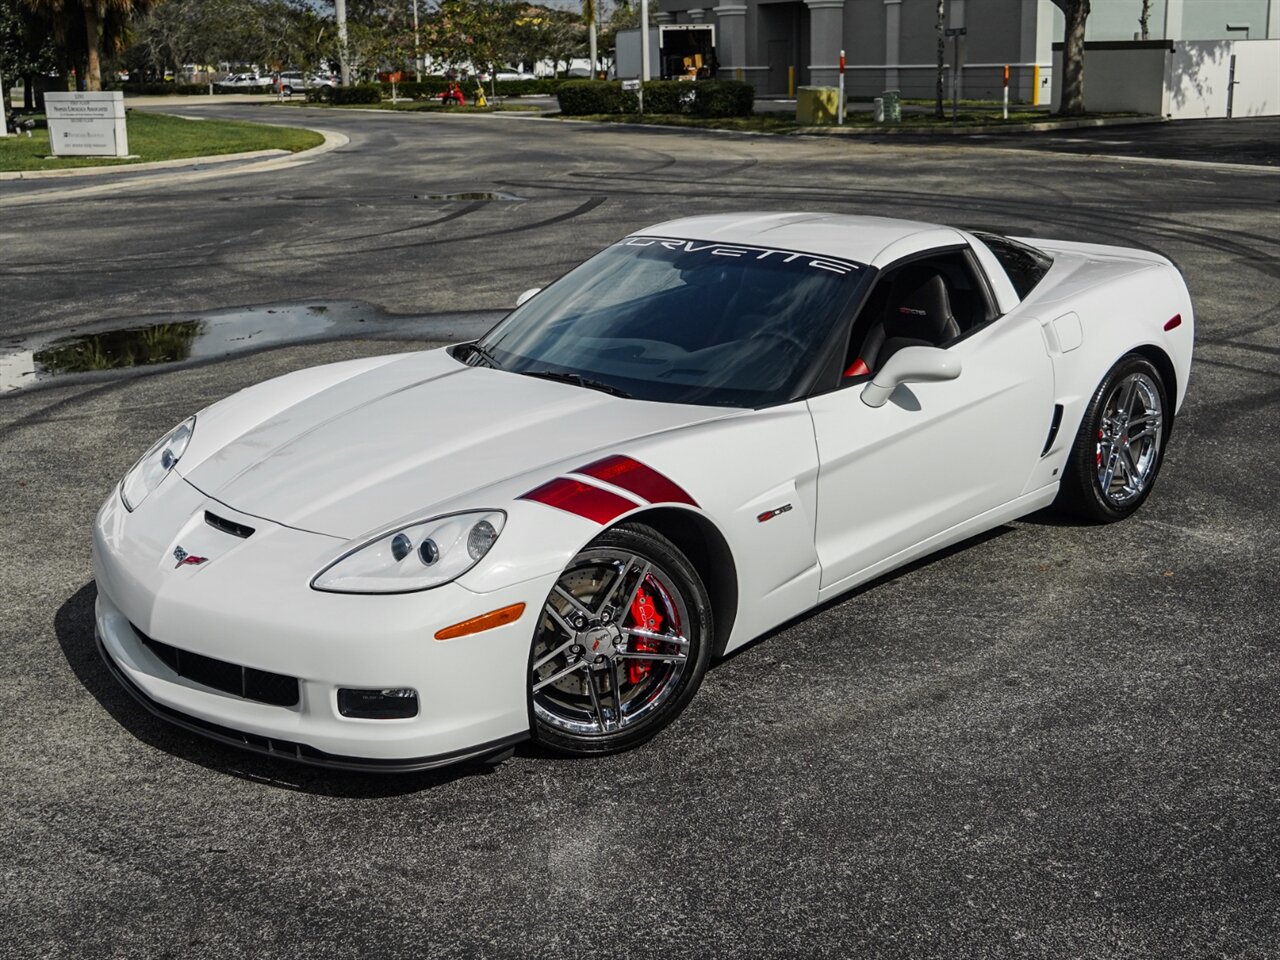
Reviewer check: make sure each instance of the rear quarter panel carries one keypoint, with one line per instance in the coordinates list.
(1097, 304)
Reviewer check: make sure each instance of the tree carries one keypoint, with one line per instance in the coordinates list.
(1144, 19)
(589, 11)
(26, 48)
(1076, 13)
(82, 29)
(473, 33)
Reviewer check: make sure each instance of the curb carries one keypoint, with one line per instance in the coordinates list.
(1046, 126)
(119, 168)
(332, 141)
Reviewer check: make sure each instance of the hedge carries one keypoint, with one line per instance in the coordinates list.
(361, 93)
(430, 87)
(160, 89)
(702, 98)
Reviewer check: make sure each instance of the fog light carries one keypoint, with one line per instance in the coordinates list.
(392, 703)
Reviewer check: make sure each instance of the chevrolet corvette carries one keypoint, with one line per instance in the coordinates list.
(705, 430)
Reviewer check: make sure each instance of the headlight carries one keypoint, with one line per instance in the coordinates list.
(416, 557)
(145, 475)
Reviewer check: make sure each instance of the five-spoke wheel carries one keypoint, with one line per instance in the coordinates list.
(621, 646)
(1113, 464)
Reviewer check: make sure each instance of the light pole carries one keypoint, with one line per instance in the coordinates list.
(340, 9)
(644, 42)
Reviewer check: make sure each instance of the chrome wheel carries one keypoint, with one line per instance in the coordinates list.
(613, 644)
(1129, 437)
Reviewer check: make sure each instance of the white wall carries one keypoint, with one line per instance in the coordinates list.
(1199, 77)
(1189, 82)
(1257, 78)
(1118, 81)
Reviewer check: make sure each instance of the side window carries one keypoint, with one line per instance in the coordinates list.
(928, 301)
(1025, 266)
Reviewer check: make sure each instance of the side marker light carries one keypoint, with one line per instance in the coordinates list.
(486, 621)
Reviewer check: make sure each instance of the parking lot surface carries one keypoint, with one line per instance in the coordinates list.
(1052, 741)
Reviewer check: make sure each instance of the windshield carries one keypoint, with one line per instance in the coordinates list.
(682, 321)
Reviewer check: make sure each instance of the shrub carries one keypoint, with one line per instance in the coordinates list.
(723, 98)
(525, 88)
(424, 89)
(360, 93)
(668, 96)
(158, 89)
(581, 97)
(702, 98)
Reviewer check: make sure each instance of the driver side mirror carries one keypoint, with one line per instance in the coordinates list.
(910, 365)
(527, 295)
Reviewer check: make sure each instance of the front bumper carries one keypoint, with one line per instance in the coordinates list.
(251, 605)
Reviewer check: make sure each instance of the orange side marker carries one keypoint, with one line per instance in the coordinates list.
(486, 621)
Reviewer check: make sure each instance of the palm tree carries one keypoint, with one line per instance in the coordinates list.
(83, 27)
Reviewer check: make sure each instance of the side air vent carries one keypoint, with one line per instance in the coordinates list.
(1053, 429)
(228, 526)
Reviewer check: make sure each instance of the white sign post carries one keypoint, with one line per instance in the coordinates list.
(4, 109)
(87, 124)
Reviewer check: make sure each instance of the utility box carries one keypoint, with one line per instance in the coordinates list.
(892, 100)
(816, 106)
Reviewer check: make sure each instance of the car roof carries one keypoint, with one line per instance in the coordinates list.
(876, 241)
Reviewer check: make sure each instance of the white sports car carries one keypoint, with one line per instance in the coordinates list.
(705, 430)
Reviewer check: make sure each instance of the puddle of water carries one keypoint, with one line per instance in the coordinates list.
(25, 363)
(495, 195)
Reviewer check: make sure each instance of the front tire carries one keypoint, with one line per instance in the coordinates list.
(1117, 453)
(622, 645)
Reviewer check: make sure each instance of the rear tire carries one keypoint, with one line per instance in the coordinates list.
(1118, 450)
(589, 692)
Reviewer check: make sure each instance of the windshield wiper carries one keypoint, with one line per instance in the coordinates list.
(483, 354)
(578, 380)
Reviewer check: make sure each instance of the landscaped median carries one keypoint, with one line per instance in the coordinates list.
(729, 105)
(157, 136)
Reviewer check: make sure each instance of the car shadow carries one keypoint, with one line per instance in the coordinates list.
(74, 626)
(857, 591)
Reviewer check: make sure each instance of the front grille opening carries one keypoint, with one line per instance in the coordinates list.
(260, 685)
(228, 526)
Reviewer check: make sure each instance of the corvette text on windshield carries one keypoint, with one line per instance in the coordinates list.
(841, 267)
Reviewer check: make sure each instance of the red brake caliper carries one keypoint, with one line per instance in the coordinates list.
(645, 616)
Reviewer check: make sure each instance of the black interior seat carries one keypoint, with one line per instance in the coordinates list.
(918, 314)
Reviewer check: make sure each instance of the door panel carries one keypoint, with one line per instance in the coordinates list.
(935, 455)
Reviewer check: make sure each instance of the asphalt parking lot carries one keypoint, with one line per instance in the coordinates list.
(1053, 741)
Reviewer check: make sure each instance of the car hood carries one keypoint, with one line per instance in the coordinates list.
(415, 433)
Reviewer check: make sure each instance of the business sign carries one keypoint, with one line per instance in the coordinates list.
(87, 124)
(630, 84)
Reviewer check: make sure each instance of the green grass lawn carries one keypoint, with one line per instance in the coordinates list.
(156, 136)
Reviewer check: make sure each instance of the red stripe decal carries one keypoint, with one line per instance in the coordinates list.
(574, 496)
(1174, 321)
(635, 477)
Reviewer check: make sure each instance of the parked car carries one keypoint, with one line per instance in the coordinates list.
(711, 427)
(292, 81)
(514, 75)
(245, 80)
